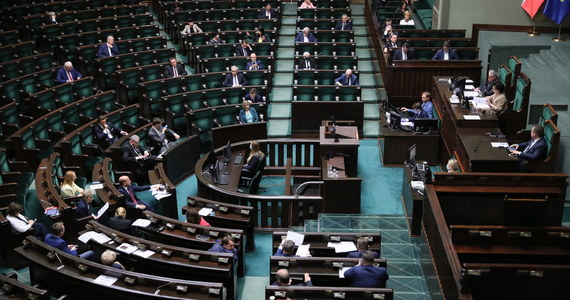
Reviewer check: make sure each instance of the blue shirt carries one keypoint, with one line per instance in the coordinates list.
(219, 248)
(367, 276)
(428, 107)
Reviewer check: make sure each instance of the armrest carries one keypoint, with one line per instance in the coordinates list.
(21, 166)
(11, 176)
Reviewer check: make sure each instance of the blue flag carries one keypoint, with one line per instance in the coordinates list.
(557, 10)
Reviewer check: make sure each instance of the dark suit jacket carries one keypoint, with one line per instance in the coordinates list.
(133, 189)
(83, 209)
(308, 283)
(104, 50)
(62, 75)
(240, 51)
(415, 115)
(261, 14)
(254, 116)
(229, 81)
(120, 224)
(101, 138)
(258, 98)
(344, 80)
(439, 55)
(300, 38)
(398, 54)
(260, 65)
(59, 243)
(302, 66)
(347, 26)
(169, 71)
(537, 152)
(389, 44)
(156, 140)
(486, 88)
(129, 153)
(367, 276)
(358, 254)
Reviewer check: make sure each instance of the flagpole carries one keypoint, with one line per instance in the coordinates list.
(559, 38)
(533, 32)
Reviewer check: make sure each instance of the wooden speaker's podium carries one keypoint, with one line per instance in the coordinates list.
(341, 191)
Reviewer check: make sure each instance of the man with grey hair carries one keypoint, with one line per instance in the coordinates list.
(139, 157)
(67, 73)
(347, 78)
(109, 48)
(486, 88)
(305, 36)
(344, 23)
(306, 62)
(234, 78)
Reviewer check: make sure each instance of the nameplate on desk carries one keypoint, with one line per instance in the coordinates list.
(472, 117)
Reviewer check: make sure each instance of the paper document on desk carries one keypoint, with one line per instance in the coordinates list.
(345, 247)
(472, 117)
(141, 223)
(101, 238)
(341, 271)
(500, 144)
(480, 102)
(96, 186)
(127, 248)
(145, 254)
(303, 250)
(469, 87)
(295, 237)
(469, 81)
(205, 211)
(105, 280)
(407, 123)
(87, 236)
(454, 100)
(470, 94)
(102, 210)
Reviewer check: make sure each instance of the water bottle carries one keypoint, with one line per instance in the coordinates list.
(330, 173)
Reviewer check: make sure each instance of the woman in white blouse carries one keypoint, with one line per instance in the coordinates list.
(21, 223)
(407, 20)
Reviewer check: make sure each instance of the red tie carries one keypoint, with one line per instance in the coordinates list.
(69, 76)
(132, 197)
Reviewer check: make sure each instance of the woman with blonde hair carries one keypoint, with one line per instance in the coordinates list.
(453, 166)
(68, 187)
(253, 160)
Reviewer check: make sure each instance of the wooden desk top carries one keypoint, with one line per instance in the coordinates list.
(337, 162)
(477, 143)
(231, 169)
(348, 135)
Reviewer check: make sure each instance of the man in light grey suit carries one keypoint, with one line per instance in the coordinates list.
(157, 137)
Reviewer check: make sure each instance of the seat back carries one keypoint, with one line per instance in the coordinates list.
(515, 66)
(548, 113)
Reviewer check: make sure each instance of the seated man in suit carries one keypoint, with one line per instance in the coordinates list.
(347, 78)
(533, 150)
(344, 23)
(234, 78)
(282, 279)
(427, 105)
(243, 49)
(361, 246)
(105, 133)
(392, 43)
(306, 62)
(119, 221)
(404, 53)
(253, 63)
(286, 248)
(67, 73)
(157, 137)
(305, 36)
(174, 69)
(267, 12)
(139, 157)
(366, 274)
(84, 207)
(445, 53)
(416, 112)
(486, 88)
(227, 245)
(129, 191)
(108, 49)
(253, 96)
(54, 239)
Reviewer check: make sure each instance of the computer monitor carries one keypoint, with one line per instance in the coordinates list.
(425, 125)
(458, 87)
(395, 120)
(227, 152)
(452, 81)
(412, 156)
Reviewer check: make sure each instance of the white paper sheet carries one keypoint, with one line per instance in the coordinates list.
(145, 254)
(105, 280)
(102, 210)
(469, 87)
(345, 247)
(407, 123)
(454, 100)
(295, 237)
(127, 248)
(472, 117)
(141, 223)
(333, 244)
(101, 238)
(87, 236)
(341, 271)
(303, 250)
(500, 144)
(96, 186)
(470, 94)
(480, 102)
(205, 211)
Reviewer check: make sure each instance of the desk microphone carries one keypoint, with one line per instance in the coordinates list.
(61, 265)
(477, 146)
(161, 286)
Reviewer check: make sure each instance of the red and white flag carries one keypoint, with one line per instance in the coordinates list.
(531, 6)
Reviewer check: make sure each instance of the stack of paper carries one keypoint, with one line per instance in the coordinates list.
(205, 211)
(295, 237)
(141, 223)
(303, 250)
(159, 191)
(127, 248)
(341, 247)
(145, 254)
(98, 237)
(341, 271)
(105, 280)
(479, 103)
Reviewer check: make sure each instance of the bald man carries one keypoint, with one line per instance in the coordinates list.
(347, 78)
(67, 73)
(282, 279)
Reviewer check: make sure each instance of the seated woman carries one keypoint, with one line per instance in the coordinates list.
(193, 217)
(247, 114)
(109, 258)
(307, 4)
(453, 166)
(68, 187)
(21, 223)
(259, 36)
(407, 20)
(498, 101)
(253, 160)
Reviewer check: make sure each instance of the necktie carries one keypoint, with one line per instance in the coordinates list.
(107, 132)
(69, 75)
(348, 81)
(404, 56)
(342, 26)
(530, 146)
(236, 80)
(132, 196)
(110, 53)
(175, 72)
(137, 152)
(307, 66)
